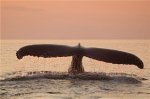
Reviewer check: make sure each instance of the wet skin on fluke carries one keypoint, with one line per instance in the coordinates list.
(77, 53)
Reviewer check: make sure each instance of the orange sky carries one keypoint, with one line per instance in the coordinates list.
(61, 19)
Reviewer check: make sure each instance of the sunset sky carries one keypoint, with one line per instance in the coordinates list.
(60, 19)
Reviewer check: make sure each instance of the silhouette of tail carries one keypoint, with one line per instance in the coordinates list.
(106, 55)
(45, 50)
(113, 56)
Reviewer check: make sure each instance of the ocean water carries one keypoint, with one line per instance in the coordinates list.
(32, 77)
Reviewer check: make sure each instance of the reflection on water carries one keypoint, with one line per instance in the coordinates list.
(62, 89)
(30, 77)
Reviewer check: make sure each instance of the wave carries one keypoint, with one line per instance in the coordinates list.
(118, 77)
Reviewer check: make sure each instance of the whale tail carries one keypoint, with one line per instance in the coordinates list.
(100, 54)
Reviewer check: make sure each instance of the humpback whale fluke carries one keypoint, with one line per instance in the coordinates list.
(100, 54)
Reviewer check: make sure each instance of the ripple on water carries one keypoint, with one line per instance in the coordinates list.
(61, 85)
(118, 77)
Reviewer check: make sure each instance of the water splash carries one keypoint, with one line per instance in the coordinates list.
(118, 77)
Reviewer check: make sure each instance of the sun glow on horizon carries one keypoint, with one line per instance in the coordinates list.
(85, 19)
